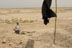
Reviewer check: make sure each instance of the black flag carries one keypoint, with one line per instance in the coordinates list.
(46, 11)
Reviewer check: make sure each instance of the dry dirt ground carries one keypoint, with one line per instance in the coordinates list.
(34, 34)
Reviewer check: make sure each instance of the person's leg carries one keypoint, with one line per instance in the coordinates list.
(17, 31)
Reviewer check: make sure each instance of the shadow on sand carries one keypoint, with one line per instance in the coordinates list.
(30, 44)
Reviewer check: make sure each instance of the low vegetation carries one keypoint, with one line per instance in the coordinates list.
(14, 20)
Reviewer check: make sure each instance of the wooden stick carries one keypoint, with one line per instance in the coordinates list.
(55, 23)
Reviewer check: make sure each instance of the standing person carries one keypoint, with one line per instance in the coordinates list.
(17, 28)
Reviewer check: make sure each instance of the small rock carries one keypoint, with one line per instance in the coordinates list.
(3, 42)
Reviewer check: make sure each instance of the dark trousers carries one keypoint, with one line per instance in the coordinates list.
(17, 31)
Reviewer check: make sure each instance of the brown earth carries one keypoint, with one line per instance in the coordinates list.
(34, 34)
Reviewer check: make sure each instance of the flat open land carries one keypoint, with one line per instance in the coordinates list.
(34, 34)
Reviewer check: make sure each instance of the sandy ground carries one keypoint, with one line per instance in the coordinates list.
(35, 34)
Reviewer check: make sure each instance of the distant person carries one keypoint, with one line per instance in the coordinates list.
(17, 28)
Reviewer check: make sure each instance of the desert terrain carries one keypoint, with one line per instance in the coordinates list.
(34, 34)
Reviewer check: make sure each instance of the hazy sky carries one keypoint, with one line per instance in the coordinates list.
(31, 3)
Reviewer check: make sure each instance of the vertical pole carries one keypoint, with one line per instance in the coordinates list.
(55, 23)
